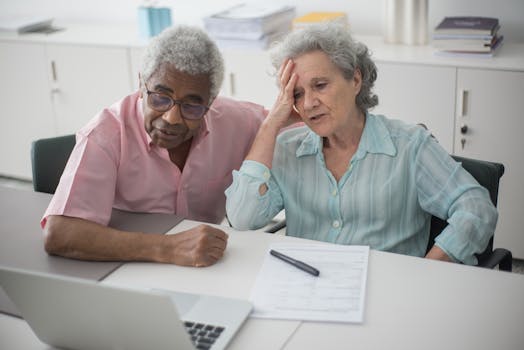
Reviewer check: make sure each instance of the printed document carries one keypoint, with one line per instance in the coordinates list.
(282, 291)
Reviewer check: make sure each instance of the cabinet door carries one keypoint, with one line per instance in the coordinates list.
(135, 59)
(26, 105)
(85, 80)
(491, 105)
(418, 94)
(249, 77)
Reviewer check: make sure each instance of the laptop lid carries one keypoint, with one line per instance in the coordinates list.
(79, 314)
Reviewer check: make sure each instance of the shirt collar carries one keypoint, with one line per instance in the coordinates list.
(375, 139)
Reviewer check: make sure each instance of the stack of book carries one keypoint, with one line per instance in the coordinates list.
(473, 36)
(250, 25)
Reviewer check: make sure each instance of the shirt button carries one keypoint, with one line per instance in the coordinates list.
(336, 224)
(334, 192)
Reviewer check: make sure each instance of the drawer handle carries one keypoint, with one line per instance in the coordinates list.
(464, 102)
(53, 70)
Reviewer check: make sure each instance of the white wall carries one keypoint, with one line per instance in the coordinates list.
(365, 16)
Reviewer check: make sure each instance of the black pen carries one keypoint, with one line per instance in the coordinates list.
(297, 263)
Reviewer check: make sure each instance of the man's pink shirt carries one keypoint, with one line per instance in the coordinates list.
(115, 165)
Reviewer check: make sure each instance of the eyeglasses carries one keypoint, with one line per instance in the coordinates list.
(163, 103)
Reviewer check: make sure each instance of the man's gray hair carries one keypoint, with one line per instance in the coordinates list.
(189, 50)
(336, 42)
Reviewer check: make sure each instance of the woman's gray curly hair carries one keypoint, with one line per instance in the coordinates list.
(189, 50)
(336, 42)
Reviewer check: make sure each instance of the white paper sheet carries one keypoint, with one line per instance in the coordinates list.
(283, 291)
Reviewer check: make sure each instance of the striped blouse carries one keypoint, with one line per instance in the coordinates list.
(398, 177)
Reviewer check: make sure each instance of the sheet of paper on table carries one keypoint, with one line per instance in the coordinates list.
(282, 291)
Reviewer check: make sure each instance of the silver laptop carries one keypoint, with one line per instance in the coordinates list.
(83, 314)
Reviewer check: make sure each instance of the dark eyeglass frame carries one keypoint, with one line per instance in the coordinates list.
(185, 107)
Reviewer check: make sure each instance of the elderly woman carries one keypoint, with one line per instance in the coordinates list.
(348, 176)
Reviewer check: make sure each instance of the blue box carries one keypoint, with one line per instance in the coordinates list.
(152, 20)
(145, 18)
(165, 17)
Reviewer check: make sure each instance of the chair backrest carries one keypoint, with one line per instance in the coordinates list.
(488, 175)
(48, 159)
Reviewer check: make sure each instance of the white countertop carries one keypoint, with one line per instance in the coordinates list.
(411, 303)
(509, 57)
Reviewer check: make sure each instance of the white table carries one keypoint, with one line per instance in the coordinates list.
(411, 303)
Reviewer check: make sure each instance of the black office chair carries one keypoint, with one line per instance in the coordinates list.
(48, 159)
(487, 174)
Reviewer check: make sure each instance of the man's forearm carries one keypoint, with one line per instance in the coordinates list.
(85, 240)
(81, 239)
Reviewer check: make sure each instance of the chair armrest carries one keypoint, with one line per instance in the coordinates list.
(501, 257)
(277, 227)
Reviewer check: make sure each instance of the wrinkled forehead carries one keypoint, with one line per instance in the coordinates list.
(314, 64)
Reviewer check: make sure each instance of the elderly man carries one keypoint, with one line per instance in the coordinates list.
(168, 148)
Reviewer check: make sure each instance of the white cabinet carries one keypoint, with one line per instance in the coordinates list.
(53, 84)
(84, 80)
(135, 61)
(249, 76)
(491, 106)
(418, 94)
(53, 89)
(488, 103)
(27, 112)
